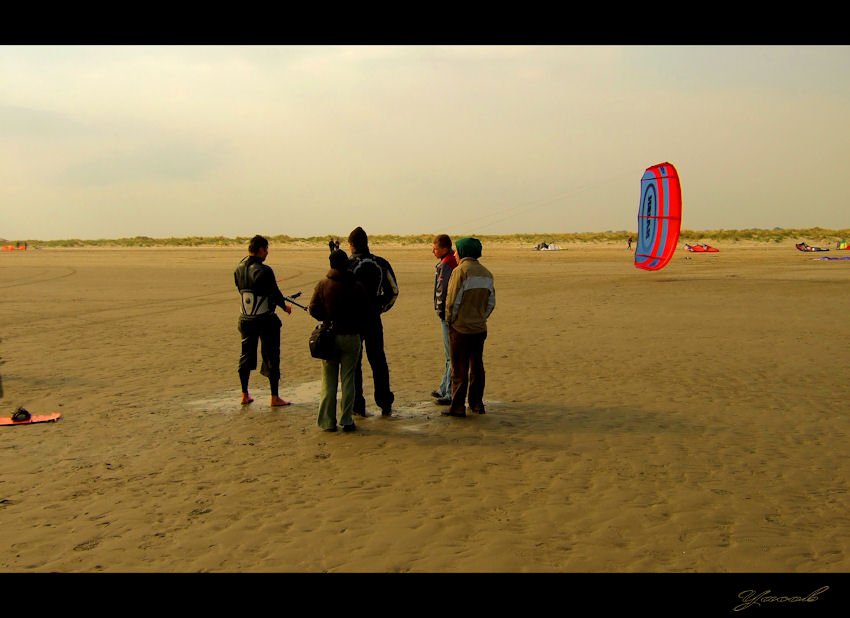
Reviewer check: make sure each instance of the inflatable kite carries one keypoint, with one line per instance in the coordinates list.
(547, 247)
(804, 247)
(842, 244)
(701, 248)
(659, 216)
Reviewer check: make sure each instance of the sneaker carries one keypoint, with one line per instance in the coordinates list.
(351, 427)
(444, 401)
(331, 429)
(436, 394)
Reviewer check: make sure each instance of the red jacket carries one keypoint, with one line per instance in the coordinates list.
(441, 283)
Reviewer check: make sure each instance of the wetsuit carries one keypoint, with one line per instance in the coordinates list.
(258, 321)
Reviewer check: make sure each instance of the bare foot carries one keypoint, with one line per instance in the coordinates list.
(277, 401)
(246, 399)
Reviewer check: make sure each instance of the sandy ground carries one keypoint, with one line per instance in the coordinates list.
(689, 420)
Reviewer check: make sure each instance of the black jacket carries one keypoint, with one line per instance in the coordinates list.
(257, 285)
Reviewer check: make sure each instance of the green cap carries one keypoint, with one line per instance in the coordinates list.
(468, 247)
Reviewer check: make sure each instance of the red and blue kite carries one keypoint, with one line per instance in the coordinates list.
(659, 216)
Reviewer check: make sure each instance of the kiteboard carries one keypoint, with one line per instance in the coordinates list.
(36, 418)
(659, 216)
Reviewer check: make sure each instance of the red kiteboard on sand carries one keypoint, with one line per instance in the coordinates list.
(36, 418)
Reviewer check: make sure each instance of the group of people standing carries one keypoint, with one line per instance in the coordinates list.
(463, 307)
(351, 298)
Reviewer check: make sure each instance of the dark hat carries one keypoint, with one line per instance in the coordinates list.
(358, 238)
(339, 259)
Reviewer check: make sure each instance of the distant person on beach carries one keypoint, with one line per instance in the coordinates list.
(332, 246)
(378, 278)
(258, 321)
(470, 300)
(442, 250)
(630, 242)
(340, 300)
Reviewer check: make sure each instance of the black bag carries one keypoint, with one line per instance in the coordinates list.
(21, 414)
(387, 291)
(322, 342)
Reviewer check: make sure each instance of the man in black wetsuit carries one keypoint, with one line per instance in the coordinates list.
(367, 271)
(258, 321)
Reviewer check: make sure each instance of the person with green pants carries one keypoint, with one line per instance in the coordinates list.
(340, 300)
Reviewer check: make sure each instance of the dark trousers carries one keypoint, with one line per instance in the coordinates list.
(467, 355)
(372, 337)
(266, 332)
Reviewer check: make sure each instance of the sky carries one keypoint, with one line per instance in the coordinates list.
(174, 141)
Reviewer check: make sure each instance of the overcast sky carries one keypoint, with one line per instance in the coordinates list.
(107, 142)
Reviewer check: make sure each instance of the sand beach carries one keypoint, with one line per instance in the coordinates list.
(693, 419)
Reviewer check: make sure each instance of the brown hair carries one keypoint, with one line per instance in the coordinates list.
(443, 240)
(257, 243)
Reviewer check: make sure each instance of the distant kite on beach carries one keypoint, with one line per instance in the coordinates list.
(701, 248)
(659, 216)
(801, 246)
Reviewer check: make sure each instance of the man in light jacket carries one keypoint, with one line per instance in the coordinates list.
(470, 300)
